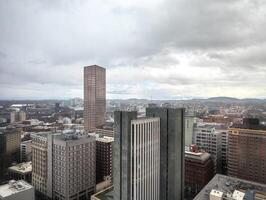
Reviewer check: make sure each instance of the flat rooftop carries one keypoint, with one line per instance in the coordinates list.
(107, 194)
(105, 139)
(201, 156)
(14, 187)
(227, 185)
(71, 136)
(22, 168)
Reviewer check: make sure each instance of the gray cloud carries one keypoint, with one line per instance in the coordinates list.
(155, 47)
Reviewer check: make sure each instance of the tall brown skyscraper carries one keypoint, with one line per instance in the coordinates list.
(94, 96)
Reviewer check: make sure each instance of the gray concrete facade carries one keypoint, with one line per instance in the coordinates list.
(121, 154)
(172, 148)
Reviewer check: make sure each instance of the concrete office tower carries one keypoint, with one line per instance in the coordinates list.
(17, 116)
(207, 138)
(190, 121)
(25, 151)
(22, 115)
(94, 97)
(17, 190)
(10, 139)
(224, 150)
(136, 157)
(13, 116)
(40, 163)
(104, 158)
(73, 166)
(247, 151)
(172, 150)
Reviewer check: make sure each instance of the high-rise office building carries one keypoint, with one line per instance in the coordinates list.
(247, 151)
(172, 150)
(25, 151)
(17, 116)
(104, 158)
(136, 157)
(207, 138)
(224, 150)
(13, 117)
(190, 122)
(40, 166)
(73, 160)
(22, 115)
(94, 97)
(10, 139)
(63, 165)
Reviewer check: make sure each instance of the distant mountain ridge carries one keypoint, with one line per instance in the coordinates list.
(223, 99)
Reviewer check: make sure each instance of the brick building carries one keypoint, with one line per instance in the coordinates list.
(247, 151)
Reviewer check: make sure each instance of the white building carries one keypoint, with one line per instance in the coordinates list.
(17, 190)
(238, 195)
(207, 138)
(25, 151)
(145, 158)
(17, 116)
(216, 195)
(190, 121)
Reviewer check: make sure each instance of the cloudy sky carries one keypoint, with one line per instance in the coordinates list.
(160, 49)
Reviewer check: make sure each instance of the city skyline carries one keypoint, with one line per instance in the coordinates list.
(132, 100)
(159, 49)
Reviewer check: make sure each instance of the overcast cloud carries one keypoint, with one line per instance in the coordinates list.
(160, 49)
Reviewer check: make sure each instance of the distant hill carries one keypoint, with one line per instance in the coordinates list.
(223, 99)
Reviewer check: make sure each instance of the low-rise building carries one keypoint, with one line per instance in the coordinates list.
(21, 171)
(199, 170)
(17, 190)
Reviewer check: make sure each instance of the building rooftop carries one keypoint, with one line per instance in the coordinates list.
(66, 136)
(232, 188)
(107, 194)
(105, 139)
(200, 156)
(250, 123)
(22, 168)
(14, 187)
(41, 134)
(141, 119)
(26, 142)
